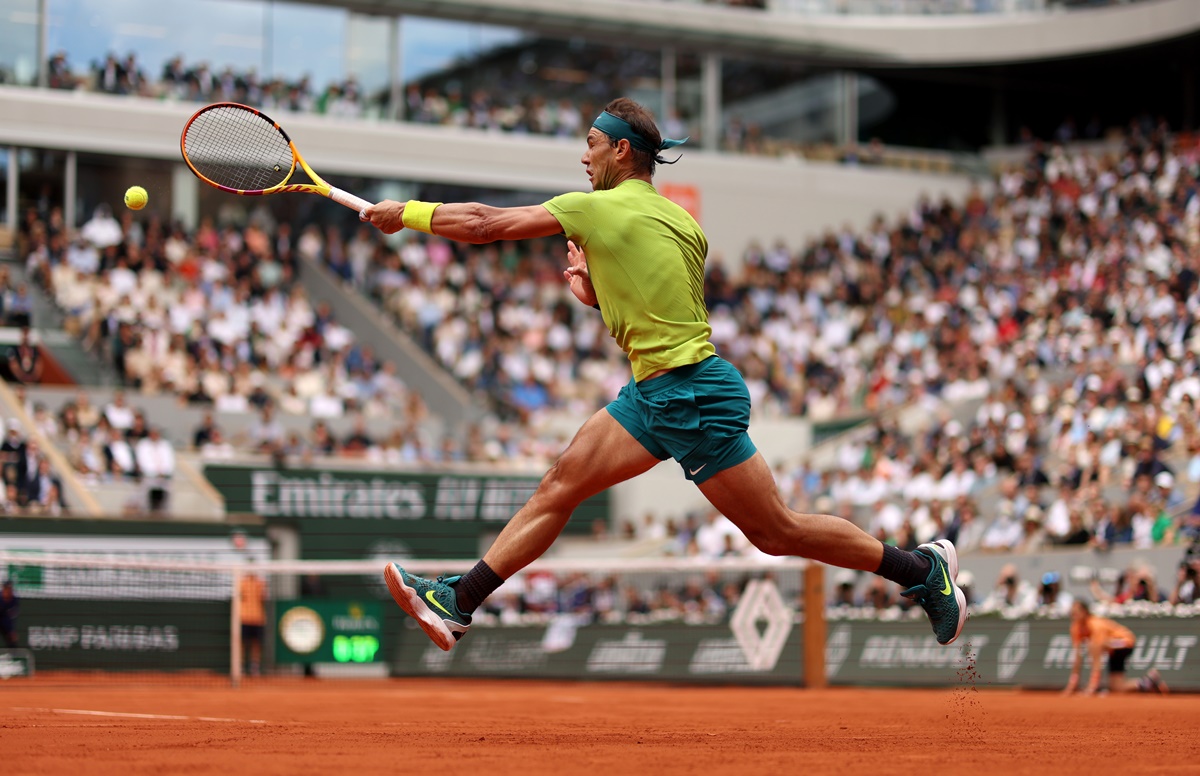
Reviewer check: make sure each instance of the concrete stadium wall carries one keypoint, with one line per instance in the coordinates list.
(792, 28)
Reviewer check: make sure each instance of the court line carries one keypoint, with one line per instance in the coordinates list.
(134, 715)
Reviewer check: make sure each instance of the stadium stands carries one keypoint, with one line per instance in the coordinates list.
(1057, 412)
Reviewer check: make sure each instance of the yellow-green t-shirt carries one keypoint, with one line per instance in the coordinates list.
(645, 257)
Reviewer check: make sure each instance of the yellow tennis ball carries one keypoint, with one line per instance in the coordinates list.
(136, 198)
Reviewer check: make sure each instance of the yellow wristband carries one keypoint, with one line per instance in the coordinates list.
(418, 215)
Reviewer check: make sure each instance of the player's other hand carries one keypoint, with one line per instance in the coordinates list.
(576, 275)
(386, 216)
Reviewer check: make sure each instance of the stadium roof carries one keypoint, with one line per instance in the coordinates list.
(962, 39)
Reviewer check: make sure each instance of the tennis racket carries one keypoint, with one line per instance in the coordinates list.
(239, 149)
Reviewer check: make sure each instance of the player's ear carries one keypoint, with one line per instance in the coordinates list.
(623, 148)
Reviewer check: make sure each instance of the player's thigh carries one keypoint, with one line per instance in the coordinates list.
(748, 496)
(601, 455)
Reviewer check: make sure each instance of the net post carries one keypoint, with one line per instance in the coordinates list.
(814, 626)
(235, 628)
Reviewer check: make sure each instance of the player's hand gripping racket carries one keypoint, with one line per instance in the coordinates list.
(240, 150)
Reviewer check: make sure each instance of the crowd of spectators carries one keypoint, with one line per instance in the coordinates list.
(213, 316)
(31, 486)
(939, 307)
(216, 318)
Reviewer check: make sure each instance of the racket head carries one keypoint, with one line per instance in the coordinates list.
(240, 149)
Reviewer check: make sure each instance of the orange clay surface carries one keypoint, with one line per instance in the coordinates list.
(493, 728)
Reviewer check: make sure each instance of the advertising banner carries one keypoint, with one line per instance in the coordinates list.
(992, 651)
(323, 631)
(126, 635)
(375, 513)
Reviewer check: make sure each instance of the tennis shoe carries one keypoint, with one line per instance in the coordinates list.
(433, 604)
(940, 597)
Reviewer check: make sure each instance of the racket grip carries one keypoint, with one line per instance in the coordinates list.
(348, 199)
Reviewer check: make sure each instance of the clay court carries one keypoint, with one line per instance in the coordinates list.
(516, 727)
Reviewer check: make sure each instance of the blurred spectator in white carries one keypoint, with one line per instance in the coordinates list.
(87, 414)
(1033, 535)
(966, 583)
(886, 519)
(156, 464)
(1004, 532)
(1012, 597)
(11, 502)
(102, 230)
(1165, 493)
(118, 453)
(118, 413)
(84, 457)
(711, 536)
(216, 448)
(43, 421)
(266, 434)
(1058, 514)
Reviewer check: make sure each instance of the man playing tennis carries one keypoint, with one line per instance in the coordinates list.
(644, 270)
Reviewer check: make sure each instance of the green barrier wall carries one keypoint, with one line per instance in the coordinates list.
(693, 653)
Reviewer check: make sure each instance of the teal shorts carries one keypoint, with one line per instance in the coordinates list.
(697, 414)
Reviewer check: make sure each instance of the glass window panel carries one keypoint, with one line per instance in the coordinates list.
(308, 41)
(219, 32)
(431, 45)
(18, 42)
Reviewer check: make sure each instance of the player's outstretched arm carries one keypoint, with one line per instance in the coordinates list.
(468, 222)
(577, 276)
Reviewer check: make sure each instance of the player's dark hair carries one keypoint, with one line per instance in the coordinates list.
(642, 122)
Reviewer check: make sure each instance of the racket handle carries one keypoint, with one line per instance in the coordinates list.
(348, 199)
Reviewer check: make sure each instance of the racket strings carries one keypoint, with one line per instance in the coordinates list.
(237, 148)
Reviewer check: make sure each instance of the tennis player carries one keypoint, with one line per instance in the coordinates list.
(639, 258)
(1105, 638)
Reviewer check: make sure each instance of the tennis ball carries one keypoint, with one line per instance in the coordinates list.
(136, 198)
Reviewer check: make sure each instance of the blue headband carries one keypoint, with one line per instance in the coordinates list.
(619, 129)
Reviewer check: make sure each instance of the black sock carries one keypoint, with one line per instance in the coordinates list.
(475, 586)
(907, 569)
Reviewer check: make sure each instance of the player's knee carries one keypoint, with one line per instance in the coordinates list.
(772, 541)
(558, 487)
